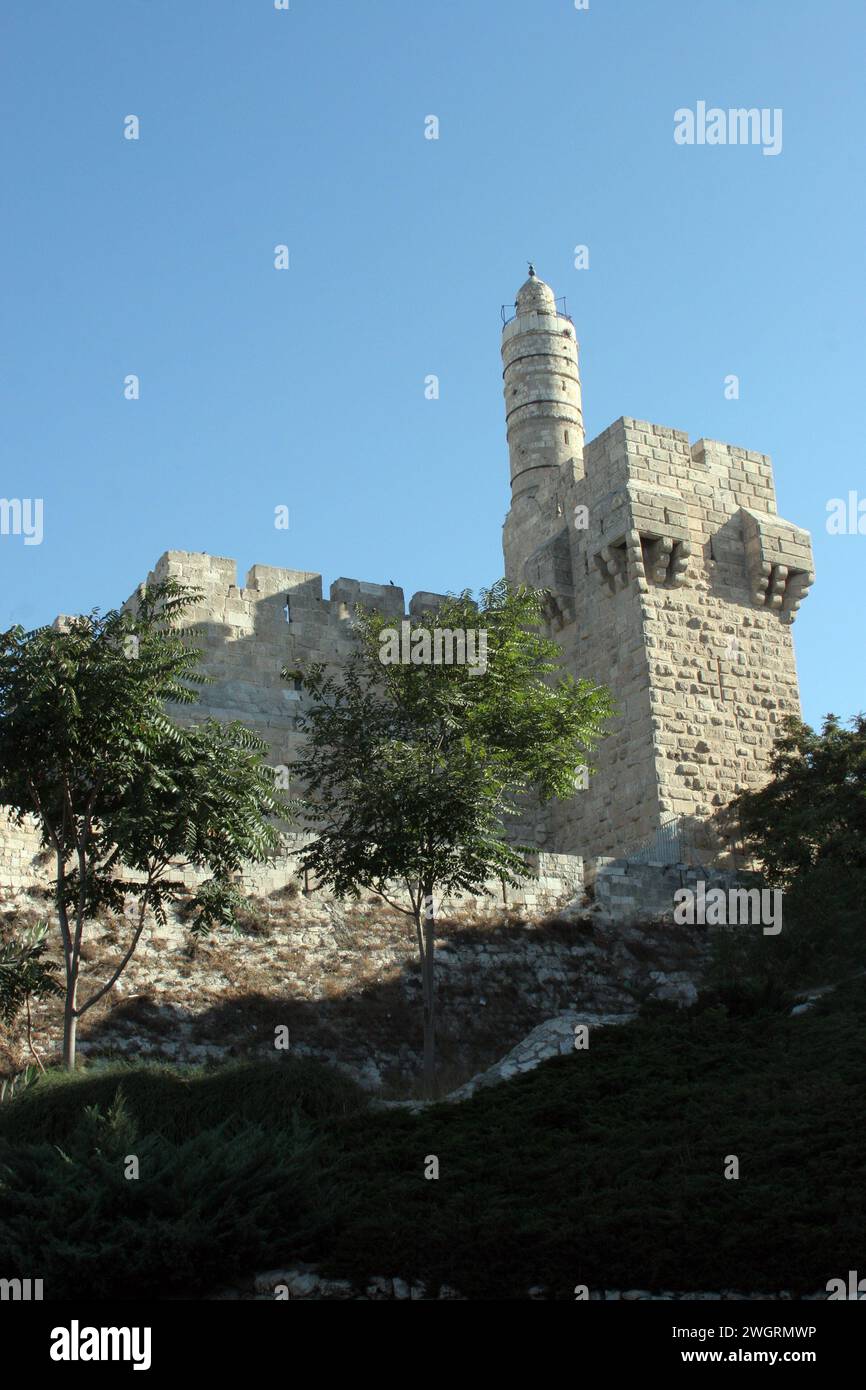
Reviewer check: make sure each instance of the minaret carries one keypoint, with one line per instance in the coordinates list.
(543, 412)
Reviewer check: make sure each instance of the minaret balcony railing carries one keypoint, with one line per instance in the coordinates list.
(509, 311)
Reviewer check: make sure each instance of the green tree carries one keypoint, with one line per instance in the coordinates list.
(24, 976)
(121, 793)
(806, 829)
(811, 816)
(413, 769)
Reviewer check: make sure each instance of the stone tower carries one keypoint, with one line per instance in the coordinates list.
(670, 578)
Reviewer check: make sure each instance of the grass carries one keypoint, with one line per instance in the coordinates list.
(603, 1167)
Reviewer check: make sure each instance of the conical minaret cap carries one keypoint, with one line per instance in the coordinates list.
(535, 296)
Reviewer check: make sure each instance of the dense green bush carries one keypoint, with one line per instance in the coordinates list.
(199, 1207)
(604, 1167)
(822, 942)
(180, 1103)
(229, 1167)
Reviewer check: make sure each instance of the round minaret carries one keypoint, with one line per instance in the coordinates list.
(543, 411)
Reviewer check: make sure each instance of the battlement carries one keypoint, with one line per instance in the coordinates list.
(277, 619)
(272, 591)
(666, 455)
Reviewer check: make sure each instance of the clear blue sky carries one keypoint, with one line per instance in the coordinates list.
(306, 387)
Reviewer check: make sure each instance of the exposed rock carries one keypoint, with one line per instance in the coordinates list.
(554, 1038)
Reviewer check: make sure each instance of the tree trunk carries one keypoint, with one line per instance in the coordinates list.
(30, 1037)
(429, 1075)
(70, 1022)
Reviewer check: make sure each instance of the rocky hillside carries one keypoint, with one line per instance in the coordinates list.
(345, 982)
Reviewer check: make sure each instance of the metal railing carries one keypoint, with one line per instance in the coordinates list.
(560, 313)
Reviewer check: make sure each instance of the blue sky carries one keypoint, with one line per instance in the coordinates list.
(305, 388)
